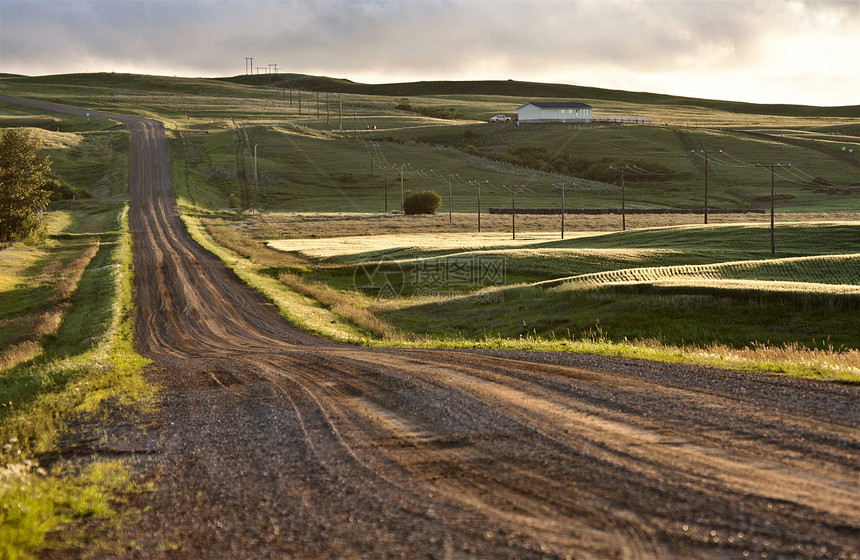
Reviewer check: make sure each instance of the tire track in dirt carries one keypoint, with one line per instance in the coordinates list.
(273, 442)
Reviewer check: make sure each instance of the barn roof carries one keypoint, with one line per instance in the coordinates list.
(558, 105)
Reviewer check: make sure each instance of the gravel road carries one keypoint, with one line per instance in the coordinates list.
(270, 442)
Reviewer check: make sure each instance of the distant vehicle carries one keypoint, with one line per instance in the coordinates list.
(500, 118)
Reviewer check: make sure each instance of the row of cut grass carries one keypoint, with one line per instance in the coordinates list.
(829, 273)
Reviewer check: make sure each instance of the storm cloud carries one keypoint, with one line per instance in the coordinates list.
(767, 51)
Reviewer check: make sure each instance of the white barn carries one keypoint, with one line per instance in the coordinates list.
(554, 111)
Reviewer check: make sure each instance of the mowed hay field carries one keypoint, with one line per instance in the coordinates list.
(691, 286)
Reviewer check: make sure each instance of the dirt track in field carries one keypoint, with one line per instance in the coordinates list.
(274, 443)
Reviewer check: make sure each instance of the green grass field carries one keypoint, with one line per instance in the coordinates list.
(329, 160)
(645, 284)
(707, 294)
(340, 146)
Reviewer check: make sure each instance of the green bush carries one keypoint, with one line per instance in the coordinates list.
(22, 197)
(424, 202)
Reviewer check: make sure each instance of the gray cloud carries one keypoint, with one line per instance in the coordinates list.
(418, 39)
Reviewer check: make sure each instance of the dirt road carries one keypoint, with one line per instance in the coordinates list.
(274, 443)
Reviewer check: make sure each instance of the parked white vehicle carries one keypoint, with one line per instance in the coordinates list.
(500, 118)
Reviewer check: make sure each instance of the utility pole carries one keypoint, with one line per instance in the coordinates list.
(623, 202)
(513, 210)
(450, 204)
(513, 215)
(255, 177)
(477, 185)
(772, 167)
(563, 188)
(707, 153)
(479, 207)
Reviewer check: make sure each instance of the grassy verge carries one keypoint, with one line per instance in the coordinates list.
(305, 312)
(79, 368)
(790, 359)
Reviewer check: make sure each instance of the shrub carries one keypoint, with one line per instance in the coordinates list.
(449, 113)
(348, 178)
(22, 174)
(59, 190)
(424, 202)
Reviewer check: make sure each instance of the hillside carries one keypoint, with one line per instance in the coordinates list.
(328, 144)
(529, 90)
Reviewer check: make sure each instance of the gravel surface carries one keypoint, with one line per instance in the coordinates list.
(273, 443)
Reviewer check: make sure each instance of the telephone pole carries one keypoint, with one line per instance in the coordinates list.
(563, 188)
(513, 214)
(477, 185)
(513, 209)
(450, 203)
(772, 167)
(623, 202)
(707, 153)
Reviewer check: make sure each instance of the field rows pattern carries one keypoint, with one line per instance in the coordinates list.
(819, 273)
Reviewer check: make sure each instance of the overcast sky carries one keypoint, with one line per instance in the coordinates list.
(783, 51)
